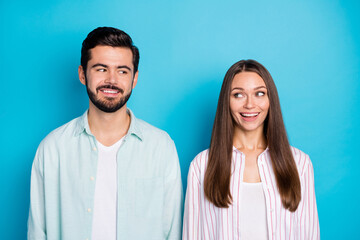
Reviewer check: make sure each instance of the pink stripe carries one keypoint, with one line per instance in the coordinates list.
(238, 197)
(193, 210)
(222, 224)
(280, 222)
(282, 209)
(203, 215)
(269, 198)
(314, 212)
(216, 216)
(206, 202)
(273, 188)
(206, 219)
(309, 194)
(302, 210)
(199, 206)
(314, 201)
(302, 206)
(297, 152)
(304, 163)
(232, 194)
(290, 226)
(212, 225)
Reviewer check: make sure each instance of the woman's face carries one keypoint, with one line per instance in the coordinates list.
(249, 101)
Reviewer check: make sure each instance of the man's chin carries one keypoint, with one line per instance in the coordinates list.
(108, 105)
(107, 108)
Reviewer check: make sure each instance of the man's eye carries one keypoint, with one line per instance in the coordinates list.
(101, 70)
(260, 94)
(122, 71)
(238, 95)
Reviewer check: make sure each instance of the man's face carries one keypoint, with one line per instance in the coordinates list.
(109, 77)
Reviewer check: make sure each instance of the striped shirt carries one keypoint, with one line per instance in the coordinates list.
(203, 220)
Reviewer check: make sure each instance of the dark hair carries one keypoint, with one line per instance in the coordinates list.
(108, 36)
(218, 171)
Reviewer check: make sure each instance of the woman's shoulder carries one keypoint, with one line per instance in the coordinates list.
(198, 164)
(302, 160)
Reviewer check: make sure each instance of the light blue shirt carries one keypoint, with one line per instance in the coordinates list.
(150, 196)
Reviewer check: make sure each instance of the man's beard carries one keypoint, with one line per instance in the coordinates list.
(109, 105)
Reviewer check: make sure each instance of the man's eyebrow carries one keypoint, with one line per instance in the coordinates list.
(124, 66)
(106, 66)
(99, 65)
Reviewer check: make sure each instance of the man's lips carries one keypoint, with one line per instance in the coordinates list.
(109, 90)
(249, 116)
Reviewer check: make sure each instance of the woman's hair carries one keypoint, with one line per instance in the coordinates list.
(218, 171)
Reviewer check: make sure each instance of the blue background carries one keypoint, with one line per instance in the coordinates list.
(311, 48)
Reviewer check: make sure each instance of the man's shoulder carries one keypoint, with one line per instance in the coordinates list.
(150, 131)
(64, 132)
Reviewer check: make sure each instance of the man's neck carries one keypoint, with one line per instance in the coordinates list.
(108, 128)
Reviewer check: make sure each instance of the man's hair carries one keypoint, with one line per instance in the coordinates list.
(108, 36)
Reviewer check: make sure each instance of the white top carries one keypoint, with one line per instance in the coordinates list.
(203, 220)
(105, 199)
(253, 224)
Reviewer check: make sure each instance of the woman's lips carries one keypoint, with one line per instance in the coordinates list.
(249, 116)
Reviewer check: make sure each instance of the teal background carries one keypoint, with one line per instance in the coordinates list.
(311, 48)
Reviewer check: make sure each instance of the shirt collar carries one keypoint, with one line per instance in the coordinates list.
(82, 125)
(237, 150)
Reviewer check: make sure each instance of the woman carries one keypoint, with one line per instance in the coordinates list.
(250, 183)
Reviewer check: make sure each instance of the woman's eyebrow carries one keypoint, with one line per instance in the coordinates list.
(259, 87)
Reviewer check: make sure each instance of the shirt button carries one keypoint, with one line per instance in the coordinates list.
(92, 178)
(94, 148)
(89, 209)
(271, 210)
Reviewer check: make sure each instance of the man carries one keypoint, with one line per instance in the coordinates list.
(106, 175)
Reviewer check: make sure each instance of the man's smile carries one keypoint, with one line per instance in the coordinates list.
(109, 90)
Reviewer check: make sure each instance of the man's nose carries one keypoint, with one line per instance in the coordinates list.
(111, 77)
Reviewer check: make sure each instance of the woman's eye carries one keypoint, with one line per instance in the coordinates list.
(238, 95)
(260, 94)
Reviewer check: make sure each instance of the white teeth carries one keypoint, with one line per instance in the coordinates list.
(249, 114)
(110, 91)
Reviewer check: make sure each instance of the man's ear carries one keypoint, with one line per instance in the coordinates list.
(135, 79)
(81, 75)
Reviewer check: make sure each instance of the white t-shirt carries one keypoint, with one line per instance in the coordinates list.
(105, 199)
(253, 212)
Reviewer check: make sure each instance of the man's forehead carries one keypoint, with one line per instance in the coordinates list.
(111, 54)
(103, 49)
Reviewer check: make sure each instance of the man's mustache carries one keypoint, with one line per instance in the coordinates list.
(110, 87)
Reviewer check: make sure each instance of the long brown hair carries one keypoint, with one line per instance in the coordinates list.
(218, 171)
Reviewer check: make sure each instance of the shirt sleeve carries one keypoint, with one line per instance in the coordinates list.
(173, 199)
(36, 221)
(309, 219)
(191, 227)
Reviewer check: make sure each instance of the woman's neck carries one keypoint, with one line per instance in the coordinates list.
(249, 140)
